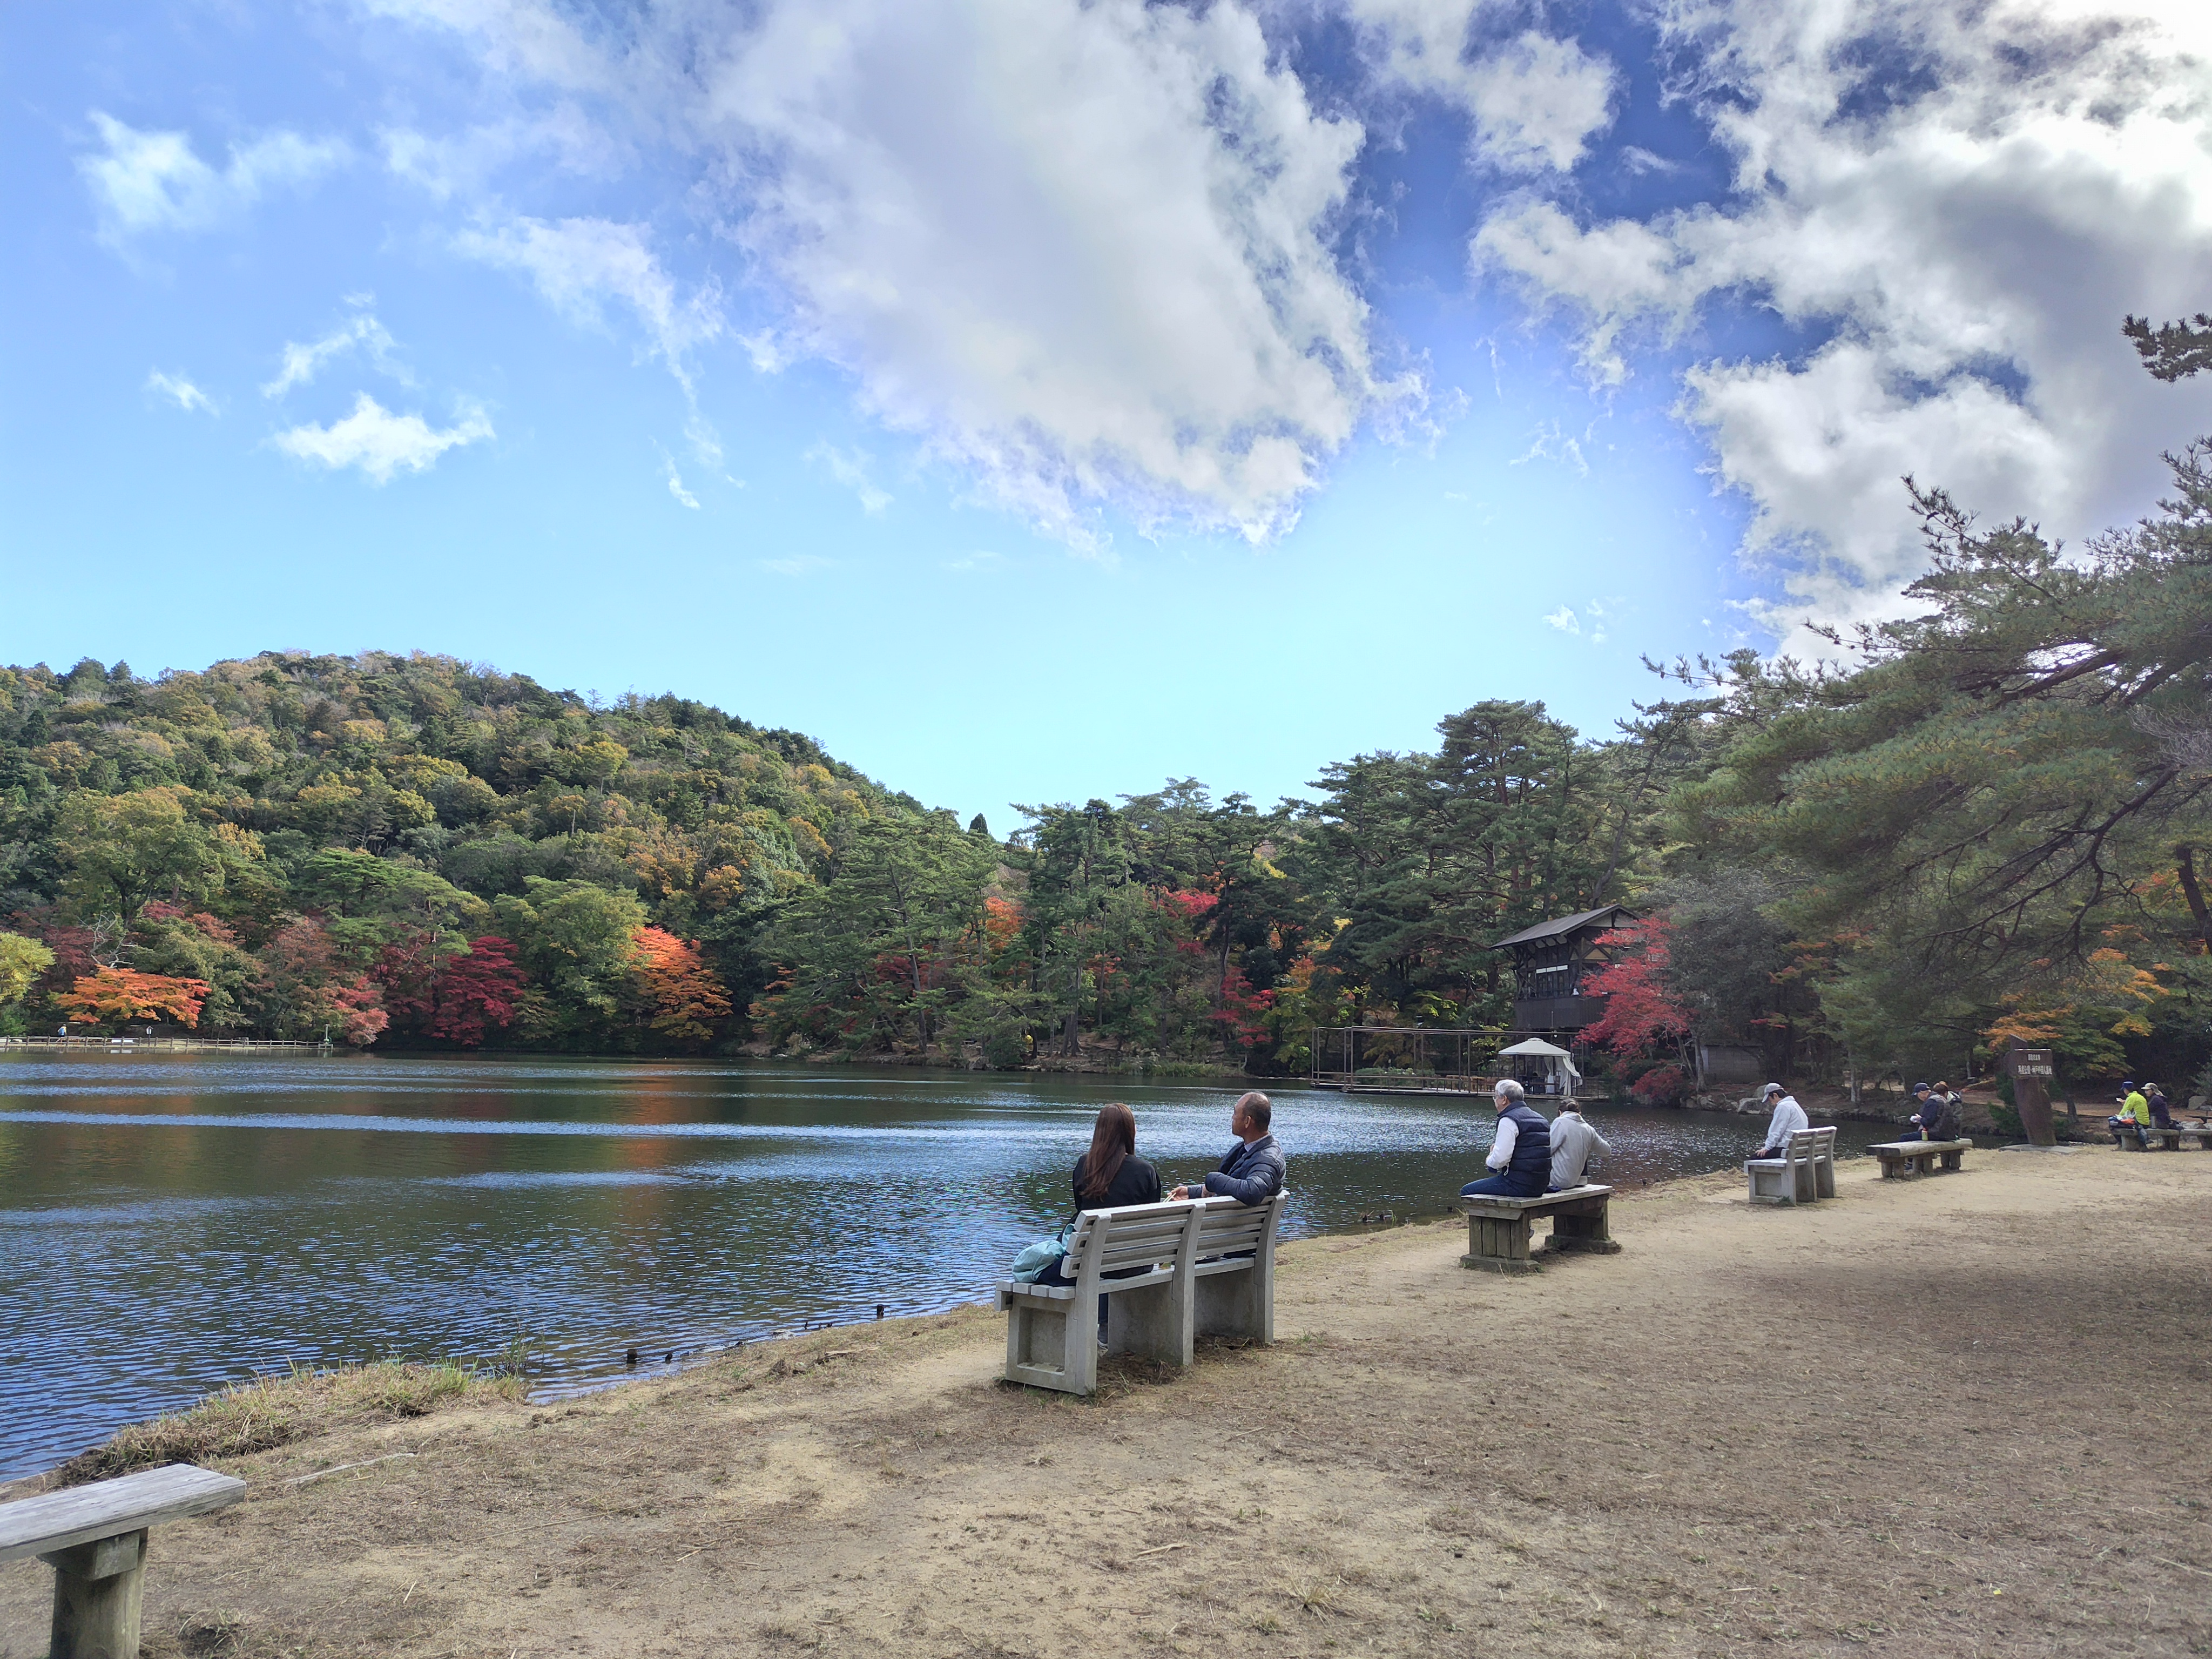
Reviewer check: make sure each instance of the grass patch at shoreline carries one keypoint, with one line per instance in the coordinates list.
(282, 1407)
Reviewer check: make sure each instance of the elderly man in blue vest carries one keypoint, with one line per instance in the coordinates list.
(1521, 1154)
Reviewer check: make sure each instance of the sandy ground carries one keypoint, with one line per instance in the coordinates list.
(1967, 1415)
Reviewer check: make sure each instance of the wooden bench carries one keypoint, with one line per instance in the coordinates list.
(1804, 1173)
(1187, 1275)
(94, 1539)
(1498, 1228)
(1902, 1158)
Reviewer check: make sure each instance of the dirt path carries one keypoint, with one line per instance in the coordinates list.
(1967, 1415)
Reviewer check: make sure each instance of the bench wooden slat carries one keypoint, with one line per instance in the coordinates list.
(83, 1514)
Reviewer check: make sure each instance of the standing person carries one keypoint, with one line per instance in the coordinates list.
(1522, 1153)
(1252, 1171)
(1789, 1118)
(1573, 1140)
(1108, 1176)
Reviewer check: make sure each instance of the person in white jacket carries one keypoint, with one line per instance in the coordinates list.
(1789, 1118)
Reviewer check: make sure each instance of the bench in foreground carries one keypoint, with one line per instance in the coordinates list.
(1498, 1228)
(1902, 1158)
(1170, 1273)
(94, 1539)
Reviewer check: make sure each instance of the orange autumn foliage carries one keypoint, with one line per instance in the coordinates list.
(122, 995)
(687, 995)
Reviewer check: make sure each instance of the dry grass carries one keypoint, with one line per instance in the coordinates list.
(277, 1409)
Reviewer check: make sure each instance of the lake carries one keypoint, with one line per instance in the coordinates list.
(172, 1223)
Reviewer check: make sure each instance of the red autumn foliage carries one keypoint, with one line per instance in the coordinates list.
(476, 994)
(1641, 1014)
(303, 974)
(1243, 1011)
(687, 995)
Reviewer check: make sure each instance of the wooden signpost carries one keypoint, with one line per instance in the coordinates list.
(2032, 1071)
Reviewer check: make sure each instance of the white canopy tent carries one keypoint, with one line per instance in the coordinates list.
(1557, 1067)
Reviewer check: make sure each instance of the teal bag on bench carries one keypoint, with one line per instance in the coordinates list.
(1042, 1257)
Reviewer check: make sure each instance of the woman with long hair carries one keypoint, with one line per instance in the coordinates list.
(1110, 1175)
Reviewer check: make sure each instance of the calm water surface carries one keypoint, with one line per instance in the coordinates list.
(168, 1224)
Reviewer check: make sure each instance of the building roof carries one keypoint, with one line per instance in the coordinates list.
(1561, 925)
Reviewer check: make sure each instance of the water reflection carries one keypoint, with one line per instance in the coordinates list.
(168, 1224)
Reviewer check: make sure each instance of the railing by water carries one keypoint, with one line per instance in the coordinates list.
(166, 1044)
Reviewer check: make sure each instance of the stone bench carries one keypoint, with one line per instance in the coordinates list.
(2168, 1140)
(1805, 1172)
(1498, 1228)
(1171, 1272)
(1903, 1158)
(94, 1539)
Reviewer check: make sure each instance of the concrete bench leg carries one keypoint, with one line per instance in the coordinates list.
(97, 1591)
(1497, 1244)
(1583, 1228)
(1235, 1306)
(1152, 1323)
(1051, 1344)
(1954, 1160)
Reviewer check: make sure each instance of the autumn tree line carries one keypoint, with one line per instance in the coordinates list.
(1986, 821)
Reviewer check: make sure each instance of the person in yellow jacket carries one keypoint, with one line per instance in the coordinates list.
(2134, 1113)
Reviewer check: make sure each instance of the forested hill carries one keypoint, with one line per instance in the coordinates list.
(308, 836)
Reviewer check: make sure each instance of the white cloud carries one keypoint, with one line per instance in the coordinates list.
(180, 391)
(851, 471)
(1081, 249)
(579, 264)
(144, 180)
(1564, 621)
(1535, 101)
(1964, 199)
(676, 484)
(1550, 443)
(796, 567)
(382, 443)
(301, 363)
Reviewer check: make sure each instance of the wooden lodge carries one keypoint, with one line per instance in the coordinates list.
(1552, 962)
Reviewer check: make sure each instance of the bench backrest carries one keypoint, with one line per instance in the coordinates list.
(1225, 1226)
(1137, 1236)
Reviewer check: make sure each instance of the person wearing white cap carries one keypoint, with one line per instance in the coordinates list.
(1789, 1118)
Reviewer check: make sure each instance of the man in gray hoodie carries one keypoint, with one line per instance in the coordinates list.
(1573, 1140)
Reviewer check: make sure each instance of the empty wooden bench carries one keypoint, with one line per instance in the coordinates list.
(1498, 1228)
(94, 1539)
(1195, 1268)
(1805, 1172)
(1902, 1158)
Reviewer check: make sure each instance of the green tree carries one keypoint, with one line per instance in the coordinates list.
(121, 850)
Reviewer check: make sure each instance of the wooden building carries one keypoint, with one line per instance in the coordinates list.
(1550, 963)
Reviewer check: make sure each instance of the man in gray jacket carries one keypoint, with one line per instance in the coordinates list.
(1573, 1140)
(1252, 1171)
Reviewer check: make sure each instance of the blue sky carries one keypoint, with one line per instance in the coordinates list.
(1035, 401)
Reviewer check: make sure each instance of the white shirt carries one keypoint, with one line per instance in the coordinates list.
(1788, 1117)
(1501, 1149)
(1572, 1136)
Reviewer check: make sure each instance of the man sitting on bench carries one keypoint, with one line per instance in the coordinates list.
(1573, 1140)
(1789, 1118)
(1938, 1116)
(1521, 1154)
(1252, 1171)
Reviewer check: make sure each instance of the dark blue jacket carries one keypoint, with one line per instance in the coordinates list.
(1250, 1175)
(1532, 1146)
